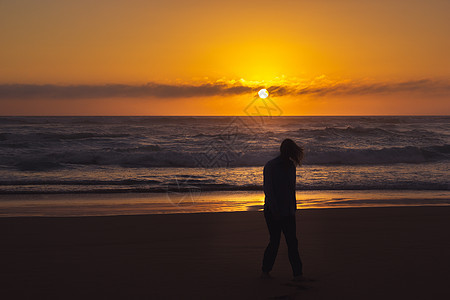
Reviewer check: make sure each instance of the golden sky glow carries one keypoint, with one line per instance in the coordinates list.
(323, 57)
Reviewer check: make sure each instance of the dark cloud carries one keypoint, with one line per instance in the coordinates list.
(424, 86)
(50, 91)
(155, 90)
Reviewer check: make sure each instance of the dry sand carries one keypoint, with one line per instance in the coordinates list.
(367, 253)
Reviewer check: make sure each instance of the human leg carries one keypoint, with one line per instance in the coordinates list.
(271, 251)
(288, 227)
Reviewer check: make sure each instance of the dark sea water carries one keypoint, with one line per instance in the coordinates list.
(45, 155)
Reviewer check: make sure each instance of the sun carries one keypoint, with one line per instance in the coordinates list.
(263, 94)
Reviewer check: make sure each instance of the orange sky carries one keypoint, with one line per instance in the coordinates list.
(210, 57)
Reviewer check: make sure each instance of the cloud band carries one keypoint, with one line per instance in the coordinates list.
(155, 90)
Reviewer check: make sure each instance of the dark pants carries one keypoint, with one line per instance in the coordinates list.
(287, 225)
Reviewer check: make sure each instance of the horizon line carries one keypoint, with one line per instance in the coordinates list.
(381, 115)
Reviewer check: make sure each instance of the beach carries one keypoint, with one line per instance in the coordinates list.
(351, 253)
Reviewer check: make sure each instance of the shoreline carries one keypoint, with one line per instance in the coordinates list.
(54, 205)
(299, 212)
(354, 253)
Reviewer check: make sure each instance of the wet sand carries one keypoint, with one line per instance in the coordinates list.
(353, 253)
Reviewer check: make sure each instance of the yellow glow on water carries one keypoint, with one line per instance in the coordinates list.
(162, 203)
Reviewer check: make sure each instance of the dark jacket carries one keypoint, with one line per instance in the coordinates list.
(279, 187)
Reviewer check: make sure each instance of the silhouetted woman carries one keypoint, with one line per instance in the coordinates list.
(280, 206)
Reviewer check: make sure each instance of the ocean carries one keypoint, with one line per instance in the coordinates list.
(393, 160)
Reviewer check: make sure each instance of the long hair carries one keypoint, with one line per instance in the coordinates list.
(290, 150)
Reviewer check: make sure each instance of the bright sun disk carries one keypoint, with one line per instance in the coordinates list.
(263, 93)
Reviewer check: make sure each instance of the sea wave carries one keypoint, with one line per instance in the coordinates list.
(375, 133)
(142, 154)
(43, 137)
(388, 155)
(155, 156)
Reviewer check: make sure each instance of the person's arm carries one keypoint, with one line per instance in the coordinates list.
(269, 193)
(292, 181)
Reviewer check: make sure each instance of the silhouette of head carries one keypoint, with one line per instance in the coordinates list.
(290, 150)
